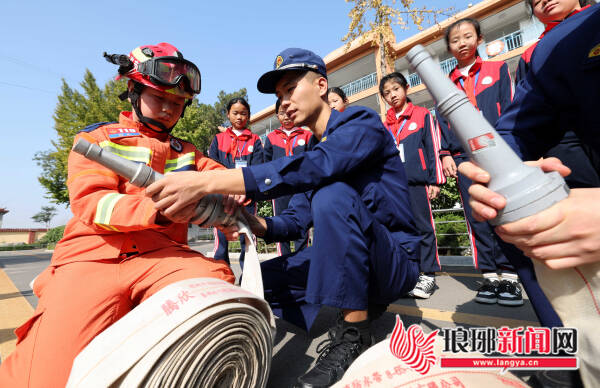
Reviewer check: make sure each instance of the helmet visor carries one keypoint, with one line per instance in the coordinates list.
(170, 71)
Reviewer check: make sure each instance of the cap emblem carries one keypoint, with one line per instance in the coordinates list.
(278, 61)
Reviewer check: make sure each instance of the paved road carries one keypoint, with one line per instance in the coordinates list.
(294, 351)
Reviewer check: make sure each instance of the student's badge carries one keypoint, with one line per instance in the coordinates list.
(412, 126)
(486, 80)
(239, 163)
(250, 149)
(301, 142)
(401, 152)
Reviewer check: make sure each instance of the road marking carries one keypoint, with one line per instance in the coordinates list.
(14, 311)
(458, 318)
(463, 274)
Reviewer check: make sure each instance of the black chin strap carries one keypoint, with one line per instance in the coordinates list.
(134, 96)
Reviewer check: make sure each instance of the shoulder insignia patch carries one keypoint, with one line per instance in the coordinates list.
(92, 127)
(595, 51)
(116, 133)
(176, 144)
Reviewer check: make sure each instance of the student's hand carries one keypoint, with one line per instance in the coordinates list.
(221, 128)
(433, 191)
(449, 166)
(176, 191)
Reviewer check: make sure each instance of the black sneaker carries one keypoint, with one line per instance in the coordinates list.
(488, 292)
(424, 288)
(335, 356)
(510, 294)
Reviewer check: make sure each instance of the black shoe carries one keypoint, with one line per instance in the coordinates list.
(510, 294)
(488, 292)
(336, 353)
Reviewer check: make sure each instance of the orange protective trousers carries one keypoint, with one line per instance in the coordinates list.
(79, 300)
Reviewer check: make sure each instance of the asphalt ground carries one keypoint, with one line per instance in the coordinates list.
(451, 305)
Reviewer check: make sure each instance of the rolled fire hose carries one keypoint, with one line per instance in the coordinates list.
(201, 332)
(573, 292)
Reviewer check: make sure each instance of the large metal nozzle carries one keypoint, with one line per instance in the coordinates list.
(527, 189)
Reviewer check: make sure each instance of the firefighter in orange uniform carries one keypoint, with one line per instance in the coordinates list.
(117, 250)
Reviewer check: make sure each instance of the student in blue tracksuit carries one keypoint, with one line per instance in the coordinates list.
(286, 140)
(560, 87)
(489, 88)
(236, 147)
(417, 137)
(365, 249)
(570, 150)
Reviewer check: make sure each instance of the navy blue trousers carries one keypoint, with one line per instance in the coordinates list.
(509, 257)
(421, 209)
(487, 254)
(354, 261)
(221, 247)
(283, 247)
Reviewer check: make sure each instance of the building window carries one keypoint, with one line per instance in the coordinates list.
(514, 40)
(414, 80)
(448, 65)
(363, 83)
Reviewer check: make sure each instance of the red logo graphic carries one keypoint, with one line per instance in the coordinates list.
(481, 142)
(412, 347)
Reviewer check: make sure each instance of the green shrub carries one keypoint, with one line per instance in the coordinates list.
(53, 236)
(451, 233)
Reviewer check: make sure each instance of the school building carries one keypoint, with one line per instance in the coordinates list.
(507, 27)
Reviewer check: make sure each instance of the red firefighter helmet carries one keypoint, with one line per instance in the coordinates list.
(160, 67)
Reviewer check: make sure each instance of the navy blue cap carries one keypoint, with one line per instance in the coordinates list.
(290, 59)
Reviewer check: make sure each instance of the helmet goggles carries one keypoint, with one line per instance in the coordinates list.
(169, 71)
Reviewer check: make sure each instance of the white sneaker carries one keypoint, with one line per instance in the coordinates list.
(424, 288)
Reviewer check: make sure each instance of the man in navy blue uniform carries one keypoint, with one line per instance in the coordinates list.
(286, 140)
(234, 148)
(351, 187)
(561, 91)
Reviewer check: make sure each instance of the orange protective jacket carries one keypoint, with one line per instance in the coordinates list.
(112, 216)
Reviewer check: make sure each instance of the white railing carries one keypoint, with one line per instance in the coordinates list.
(448, 65)
(357, 86)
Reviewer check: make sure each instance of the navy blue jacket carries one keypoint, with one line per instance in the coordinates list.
(417, 137)
(560, 92)
(278, 144)
(226, 147)
(355, 149)
(493, 93)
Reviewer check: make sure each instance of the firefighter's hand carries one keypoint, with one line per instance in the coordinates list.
(433, 191)
(449, 166)
(232, 202)
(258, 226)
(180, 189)
(184, 216)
